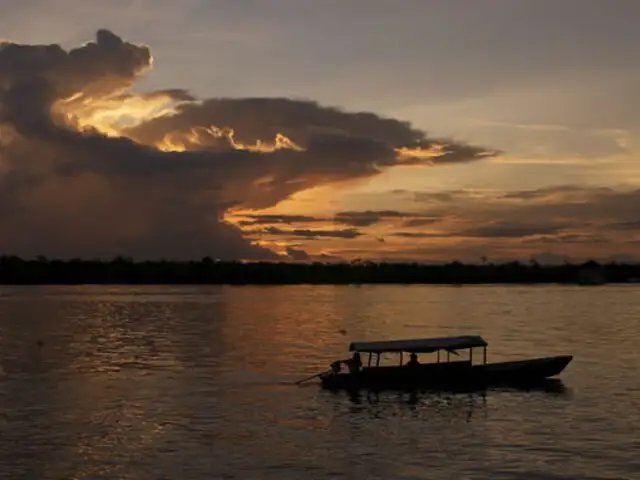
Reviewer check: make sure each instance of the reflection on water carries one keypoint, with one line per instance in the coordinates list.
(550, 386)
(378, 405)
(197, 382)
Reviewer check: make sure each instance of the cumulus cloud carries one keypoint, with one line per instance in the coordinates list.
(88, 168)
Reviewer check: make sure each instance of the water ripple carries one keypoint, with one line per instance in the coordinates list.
(196, 382)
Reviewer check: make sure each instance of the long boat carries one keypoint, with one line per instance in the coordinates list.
(443, 373)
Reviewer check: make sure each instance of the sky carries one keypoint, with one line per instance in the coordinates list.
(419, 130)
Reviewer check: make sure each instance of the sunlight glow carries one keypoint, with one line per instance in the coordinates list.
(112, 115)
(199, 137)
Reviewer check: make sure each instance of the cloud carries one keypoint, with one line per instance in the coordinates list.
(442, 197)
(501, 229)
(364, 218)
(373, 217)
(270, 219)
(88, 168)
(420, 235)
(297, 254)
(564, 205)
(506, 229)
(550, 143)
(630, 225)
(345, 233)
(577, 221)
(421, 222)
(547, 193)
(566, 238)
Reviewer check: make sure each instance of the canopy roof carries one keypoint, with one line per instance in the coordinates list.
(424, 345)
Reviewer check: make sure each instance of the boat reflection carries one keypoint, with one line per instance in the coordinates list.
(431, 406)
(461, 403)
(552, 386)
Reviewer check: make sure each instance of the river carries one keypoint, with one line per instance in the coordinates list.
(196, 383)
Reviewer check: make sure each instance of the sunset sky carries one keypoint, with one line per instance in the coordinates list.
(421, 130)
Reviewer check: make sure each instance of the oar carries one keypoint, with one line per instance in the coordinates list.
(310, 378)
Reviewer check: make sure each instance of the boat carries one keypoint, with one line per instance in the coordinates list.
(444, 373)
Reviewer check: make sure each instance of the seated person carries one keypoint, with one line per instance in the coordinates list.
(413, 359)
(354, 363)
(335, 367)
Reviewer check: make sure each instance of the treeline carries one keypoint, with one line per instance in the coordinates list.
(40, 271)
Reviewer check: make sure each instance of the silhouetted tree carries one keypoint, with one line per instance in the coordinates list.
(123, 270)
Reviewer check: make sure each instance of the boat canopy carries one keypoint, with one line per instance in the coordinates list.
(424, 345)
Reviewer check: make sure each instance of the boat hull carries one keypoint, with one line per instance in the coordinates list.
(450, 376)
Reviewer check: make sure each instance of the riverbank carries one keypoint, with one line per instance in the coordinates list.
(16, 271)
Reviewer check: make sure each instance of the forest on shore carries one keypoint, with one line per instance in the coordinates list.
(43, 271)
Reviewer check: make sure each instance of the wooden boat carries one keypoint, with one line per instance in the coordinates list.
(443, 373)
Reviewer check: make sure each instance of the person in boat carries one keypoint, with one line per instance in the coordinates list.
(354, 363)
(413, 359)
(335, 367)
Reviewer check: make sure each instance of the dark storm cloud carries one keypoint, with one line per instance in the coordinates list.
(351, 140)
(419, 235)
(371, 217)
(86, 193)
(262, 118)
(364, 218)
(269, 219)
(348, 233)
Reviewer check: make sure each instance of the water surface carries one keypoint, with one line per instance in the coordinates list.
(195, 383)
